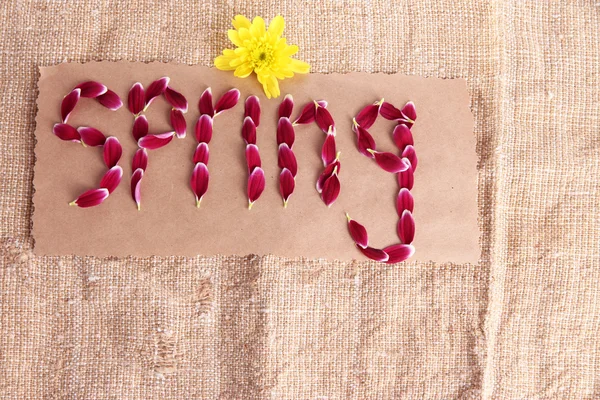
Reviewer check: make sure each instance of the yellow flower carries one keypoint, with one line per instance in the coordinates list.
(262, 51)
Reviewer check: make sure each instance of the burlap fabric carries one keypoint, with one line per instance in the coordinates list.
(522, 324)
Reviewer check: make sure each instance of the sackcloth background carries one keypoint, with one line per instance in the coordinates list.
(523, 324)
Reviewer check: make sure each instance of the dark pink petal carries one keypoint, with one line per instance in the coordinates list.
(140, 160)
(328, 151)
(227, 101)
(256, 185)
(285, 132)
(140, 127)
(112, 178)
(249, 131)
(331, 189)
(136, 181)
(204, 128)
(91, 89)
(321, 103)
(409, 112)
(91, 136)
(403, 136)
(390, 162)
(136, 99)
(252, 109)
(178, 123)
(153, 142)
(252, 157)
(390, 112)
(410, 153)
(68, 104)
(324, 119)
(199, 182)
(287, 159)
(307, 115)
(374, 254)
(205, 105)
(287, 183)
(286, 107)
(357, 232)
(406, 227)
(176, 99)
(112, 151)
(399, 252)
(201, 155)
(404, 201)
(367, 116)
(327, 172)
(90, 198)
(110, 100)
(66, 132)
(406, 179)
(364, 141)
(155, 89)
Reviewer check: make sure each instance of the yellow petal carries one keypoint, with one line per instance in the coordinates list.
(244, 34)
(258, 27)
(273, 86)
(233, 35)
(299, 67)
(222, 63)
(289, 51)
(243, 70)
(241, 22)
(276, 26)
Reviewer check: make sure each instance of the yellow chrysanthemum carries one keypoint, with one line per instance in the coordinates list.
(262, 51)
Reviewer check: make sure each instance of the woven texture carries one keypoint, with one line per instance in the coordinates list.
(522, 324)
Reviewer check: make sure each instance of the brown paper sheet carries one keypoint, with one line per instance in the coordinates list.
(445, 189)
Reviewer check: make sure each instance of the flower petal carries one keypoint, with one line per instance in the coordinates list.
(364, 141)
(204, 128)
(178, 123)
(409, 112)
(367, 116)
(136, 180)
(153, 142)
(410, 153)
(136, 99)
(91, 136)
(256, 185)
(110, 100)
(140, 160)
(249, 131)
(287, 159)
(307, 115)
(390, 162)
(287, 184)
(331, 189)
(140, 127)
(357, 232)
(68, 104)
(252, 157)
(276, 26)
(227, 101)
(403, 136)
(285, 132)
(66, 132)
(112, 178)
(406, 179)
(90, 198)
(323, 119)
(399, 252)
(406, 227)
(327, 172)
(241, 22)
(252, 109)
(199, 181)
(155, 89)
(374, 254)
(205, 105)
(286, 106)
(388, 111)
(201, 155)
(112, 151)
(91, 89)
(299, 67)
(176, 99)
(328, 151)
(404, 201)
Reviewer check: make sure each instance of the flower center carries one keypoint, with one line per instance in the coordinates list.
(262, 55)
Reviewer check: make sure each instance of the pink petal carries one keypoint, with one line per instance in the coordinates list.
(285, 132)
(199, 182)
(176, 99)
(91, 89)
(406, 179)
(201, 155)
(91, 136)
(327, 172)
(155, 89)
(205, 105)
(374, 254)
(90, 198)
(178, 123)
(252, 109)
(256, 185)
(390, 162)
(328, 151)
(331, 189)
(307, 115)
(364, 141)
(66, 132)
(324, 119)
(249, 131)
(136, 98)
(136, 180)
(399, 252)
(321, 103)
(204, 128)
(140, 160)
(287, 159)
(367, 116)
(286, 106)
(68, 104)
(112, 178)
(403, 136)
(227, 101)
(252, 157)
(390, 112)
(406, 227)
(287, 184)
(112, 151)
(410, 153)
(409, 112)
(357, 232)
(404, 201)
(140, 127)
(153, 142)
(110, 100)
